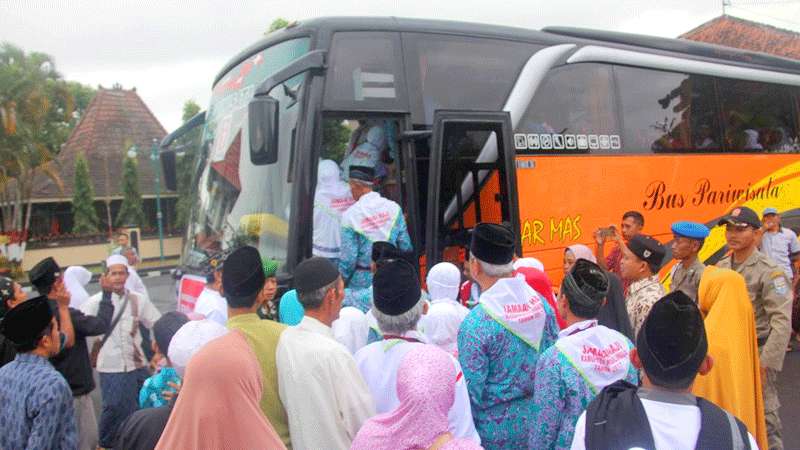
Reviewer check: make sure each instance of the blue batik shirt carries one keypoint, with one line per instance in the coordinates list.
(371, 219)
(360, 298)
(36, 409)
(568, 377)
(151, 395)
(500, 371)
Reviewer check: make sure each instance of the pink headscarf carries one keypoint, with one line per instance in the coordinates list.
(582, 252)
(426, 385)
(218, 406)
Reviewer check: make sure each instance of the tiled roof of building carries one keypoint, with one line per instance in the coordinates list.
(114, 120)
(747, 35)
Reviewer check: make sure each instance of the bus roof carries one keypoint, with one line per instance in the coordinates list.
(547, 36)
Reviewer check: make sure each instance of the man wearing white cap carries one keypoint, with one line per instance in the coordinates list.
(120, 360)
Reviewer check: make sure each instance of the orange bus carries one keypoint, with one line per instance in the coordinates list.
(555, 132)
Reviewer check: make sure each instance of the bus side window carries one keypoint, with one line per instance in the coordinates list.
(667, 111)
(574, 100)
(758, 116)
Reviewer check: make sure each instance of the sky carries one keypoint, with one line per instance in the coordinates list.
(172, 50)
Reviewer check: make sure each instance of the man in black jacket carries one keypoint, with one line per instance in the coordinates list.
(73, 362)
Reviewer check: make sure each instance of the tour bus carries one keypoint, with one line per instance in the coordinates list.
(555, 133)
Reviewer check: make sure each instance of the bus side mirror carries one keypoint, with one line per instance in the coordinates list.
(263, 126)
(169, 170)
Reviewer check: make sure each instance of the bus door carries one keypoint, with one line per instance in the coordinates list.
(471, 179)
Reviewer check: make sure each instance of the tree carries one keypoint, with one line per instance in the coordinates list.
(35, 109)
(185, 165)
(190, 109)
(84, 216)
(276, 25)
(38, 110)
(335, 136)
(131, 212)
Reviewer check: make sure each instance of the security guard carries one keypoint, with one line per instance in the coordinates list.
(772, 302)
(687, 242)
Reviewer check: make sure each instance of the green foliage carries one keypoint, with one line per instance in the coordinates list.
(277, 24)
(131, 212)
(84, 216)
(335, 137)
(190, 109)
(185, 166)
(82, 95)
(38, 110)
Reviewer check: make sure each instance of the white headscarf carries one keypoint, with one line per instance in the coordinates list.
(444, 280)
(189, 339)
(528, 262)
(440, 325)
(75, 280)
(331, 199)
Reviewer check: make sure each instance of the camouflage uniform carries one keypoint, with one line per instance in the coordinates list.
(770, 294)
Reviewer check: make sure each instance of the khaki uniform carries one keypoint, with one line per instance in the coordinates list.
(770, 293)
(687, 279)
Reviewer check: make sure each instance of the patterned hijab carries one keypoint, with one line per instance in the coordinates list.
(6, 294)
(426, 381)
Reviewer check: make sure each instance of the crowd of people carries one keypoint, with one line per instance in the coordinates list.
(362, 355)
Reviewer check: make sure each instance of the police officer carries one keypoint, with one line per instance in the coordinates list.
(770, 293)
(687, 242)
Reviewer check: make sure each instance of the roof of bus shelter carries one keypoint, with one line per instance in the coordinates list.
(114, 120)
(747, 35)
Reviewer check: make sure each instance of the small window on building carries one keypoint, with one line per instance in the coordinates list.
(573, 111)
(758, 116)
(667, 111)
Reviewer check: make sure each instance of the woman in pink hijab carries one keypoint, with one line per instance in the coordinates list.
(218, 406)
(426, 381)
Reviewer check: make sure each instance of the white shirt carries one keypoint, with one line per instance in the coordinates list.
(326, 399)
(378, 363)
(123, 350)
(351, 328)
(212, 305)
(440, 325)
(674, 426)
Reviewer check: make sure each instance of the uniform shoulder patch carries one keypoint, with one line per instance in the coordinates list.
(779, 283)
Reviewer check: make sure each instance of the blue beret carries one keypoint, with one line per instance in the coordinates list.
(769, 211)
(691, 230)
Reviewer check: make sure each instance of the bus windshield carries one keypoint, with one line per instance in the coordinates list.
(237, 202)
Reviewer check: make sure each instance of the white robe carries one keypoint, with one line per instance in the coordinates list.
(326, 399)
(378, 363)
(212, 305)
(331, 199)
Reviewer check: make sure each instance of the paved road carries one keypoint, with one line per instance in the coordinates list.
(162, 292)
